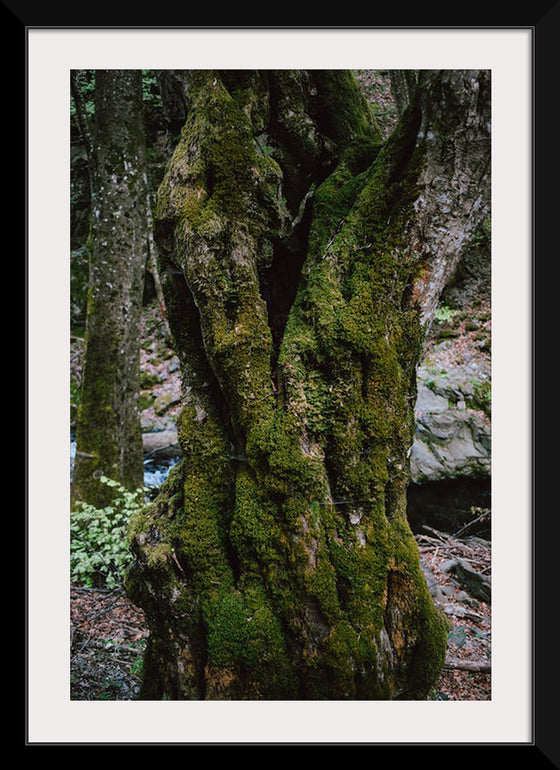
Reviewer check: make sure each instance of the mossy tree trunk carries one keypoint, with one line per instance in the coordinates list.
(108, 433)
(302, 259)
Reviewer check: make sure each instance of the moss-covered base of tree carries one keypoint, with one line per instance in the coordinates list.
(271, 638)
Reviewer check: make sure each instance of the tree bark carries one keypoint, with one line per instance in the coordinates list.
(403, 85)
(108, 433)
(154, 269)
(303, 260)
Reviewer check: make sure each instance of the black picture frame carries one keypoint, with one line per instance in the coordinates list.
(544, 750)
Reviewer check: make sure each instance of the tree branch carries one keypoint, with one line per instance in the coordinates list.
(152, 253)
(475, 666)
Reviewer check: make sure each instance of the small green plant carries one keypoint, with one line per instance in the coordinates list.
(151, 95)
(483, 235)
(137, 668)
(482, 396)
(85, 81)
(437, 695)
(445, 314)
(99, 552)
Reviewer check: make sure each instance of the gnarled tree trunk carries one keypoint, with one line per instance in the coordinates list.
(302, 259)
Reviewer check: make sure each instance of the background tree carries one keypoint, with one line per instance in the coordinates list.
(108, 434)
(403, 86)
(303, 262)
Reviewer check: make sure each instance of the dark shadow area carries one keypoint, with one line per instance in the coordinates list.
(448, 506)
(279, 283)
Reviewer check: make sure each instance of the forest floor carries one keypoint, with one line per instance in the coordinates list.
(109, 633)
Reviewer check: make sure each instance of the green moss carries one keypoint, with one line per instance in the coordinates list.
(222, 192)
(289, 467)
(213, 161)
(448, 334)
(350, 322)
(320, 408)
(331, 204)
(161, 553)
(145, 400)
(347, 118)
(429, 652)
(482, 397)
(245, 635)
(200, 530)
(255, 528)
(147, 379)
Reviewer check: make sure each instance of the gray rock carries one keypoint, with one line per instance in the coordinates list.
(148, 423)
(451, 440)
(477, 585)
(164, 401)
(161, 444)
(429, 401)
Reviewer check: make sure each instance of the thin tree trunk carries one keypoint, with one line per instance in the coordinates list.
(304, 261)
(108, 433)
(153, 258)
(403, 85)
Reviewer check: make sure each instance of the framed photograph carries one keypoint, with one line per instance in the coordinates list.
(501, 714)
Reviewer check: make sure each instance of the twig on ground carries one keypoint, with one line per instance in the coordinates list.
(475, 666)
(108, 646)
(484, 515)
